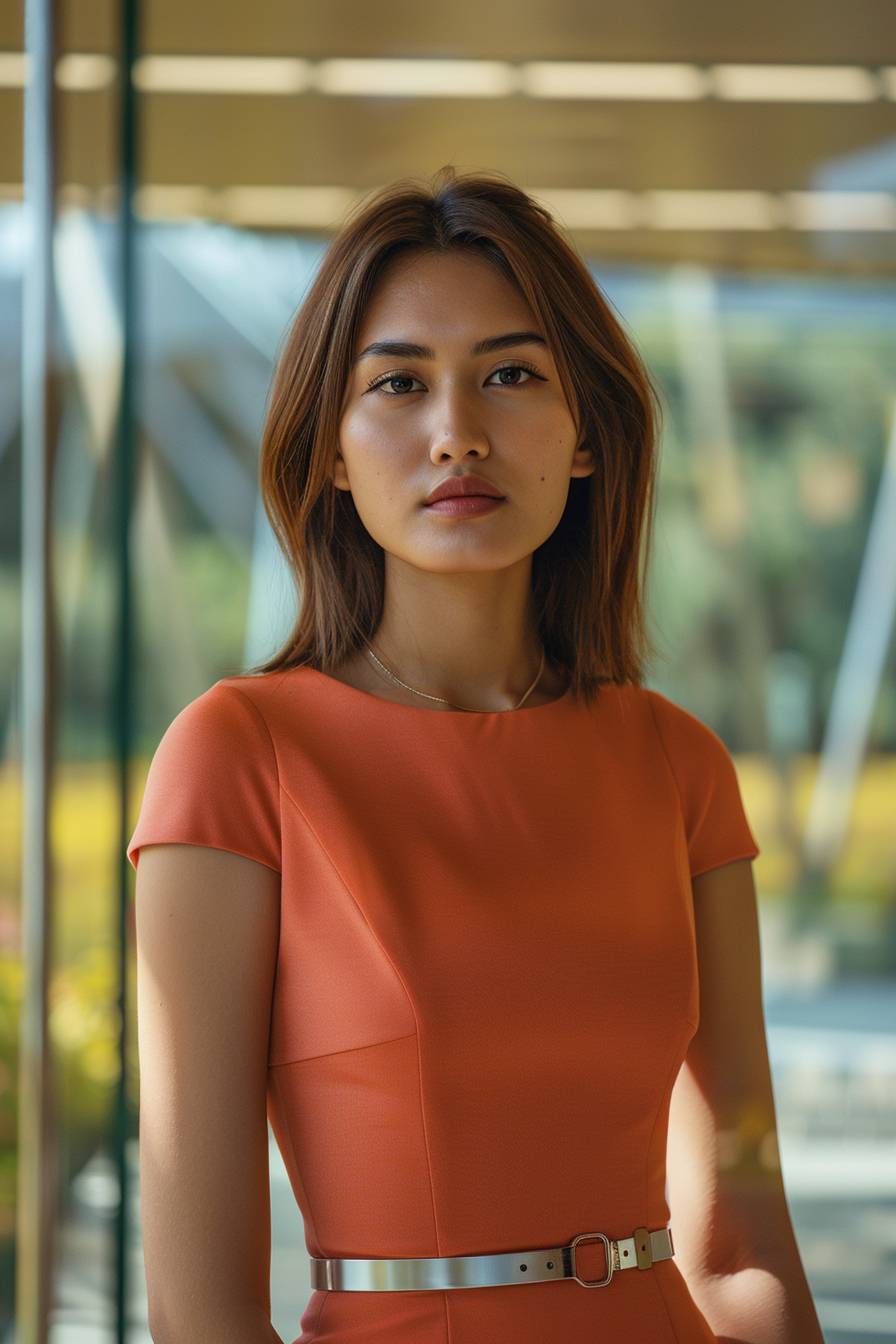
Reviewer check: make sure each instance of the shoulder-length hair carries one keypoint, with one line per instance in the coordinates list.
(588, 576)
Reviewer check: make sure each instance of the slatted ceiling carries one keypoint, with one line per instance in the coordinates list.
(219, 139)
(316, 140)
(858, 257)
(840, 31)
(215, 141)
(801, 31)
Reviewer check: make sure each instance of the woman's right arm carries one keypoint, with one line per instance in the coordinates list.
(207, 928)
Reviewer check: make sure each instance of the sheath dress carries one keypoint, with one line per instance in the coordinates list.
(486, 980)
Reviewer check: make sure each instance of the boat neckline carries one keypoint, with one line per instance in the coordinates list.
(354, 692)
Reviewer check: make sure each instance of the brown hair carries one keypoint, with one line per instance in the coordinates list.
(588, 576)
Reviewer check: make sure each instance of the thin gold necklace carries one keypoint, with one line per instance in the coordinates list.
(442, 699)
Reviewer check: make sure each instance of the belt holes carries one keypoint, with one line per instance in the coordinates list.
(550, 1264)
(524, 1267)
(625, 1252)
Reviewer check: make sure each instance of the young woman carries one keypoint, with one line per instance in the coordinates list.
(443, 889)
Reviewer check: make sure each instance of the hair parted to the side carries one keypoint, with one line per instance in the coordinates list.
(588, 577)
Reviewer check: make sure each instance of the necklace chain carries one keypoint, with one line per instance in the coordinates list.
(442, 699)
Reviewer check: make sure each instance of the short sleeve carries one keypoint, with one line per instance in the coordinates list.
(715, 821)
(213, 781)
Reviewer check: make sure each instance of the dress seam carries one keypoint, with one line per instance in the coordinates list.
(401, 980)
(656, 1116)
(318, 1320)
(349, 1049)
(670, 1074)
(720, 863)
(662, 1297)
(296, 1168)
(668, 759)
(447, 1317)
(280, 790)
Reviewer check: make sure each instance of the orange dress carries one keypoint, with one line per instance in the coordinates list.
(486, 984)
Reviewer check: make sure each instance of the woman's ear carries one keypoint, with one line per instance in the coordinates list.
(339, 475)
(584, 462)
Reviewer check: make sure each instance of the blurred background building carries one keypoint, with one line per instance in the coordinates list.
(729, 173)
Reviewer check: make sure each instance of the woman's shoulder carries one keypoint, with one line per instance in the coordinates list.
(668, 734)
(682, 732)
(706, 779)
(213, 778)
(231, 710)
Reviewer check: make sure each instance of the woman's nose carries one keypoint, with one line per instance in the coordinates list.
(457, 425)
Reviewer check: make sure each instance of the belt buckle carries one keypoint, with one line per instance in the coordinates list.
(589, 1236)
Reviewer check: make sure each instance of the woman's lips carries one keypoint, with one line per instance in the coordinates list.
(465, 505)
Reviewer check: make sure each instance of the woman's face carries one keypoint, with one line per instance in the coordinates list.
(411, 419)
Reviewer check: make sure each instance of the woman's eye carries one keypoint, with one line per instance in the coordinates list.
(515, 368)
(391, 378)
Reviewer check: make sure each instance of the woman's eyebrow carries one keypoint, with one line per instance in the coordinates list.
(407, 350)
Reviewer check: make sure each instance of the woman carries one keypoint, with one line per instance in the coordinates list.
(442, 889)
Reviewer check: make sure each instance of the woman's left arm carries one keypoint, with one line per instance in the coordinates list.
(734, 1241)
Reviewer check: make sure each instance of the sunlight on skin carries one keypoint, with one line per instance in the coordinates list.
(751, 1147)
(749, 1291)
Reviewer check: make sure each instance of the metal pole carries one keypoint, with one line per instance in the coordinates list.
(38, 1158)
(125, 662)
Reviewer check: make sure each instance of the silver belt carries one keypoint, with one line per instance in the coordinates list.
(642, 1249)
